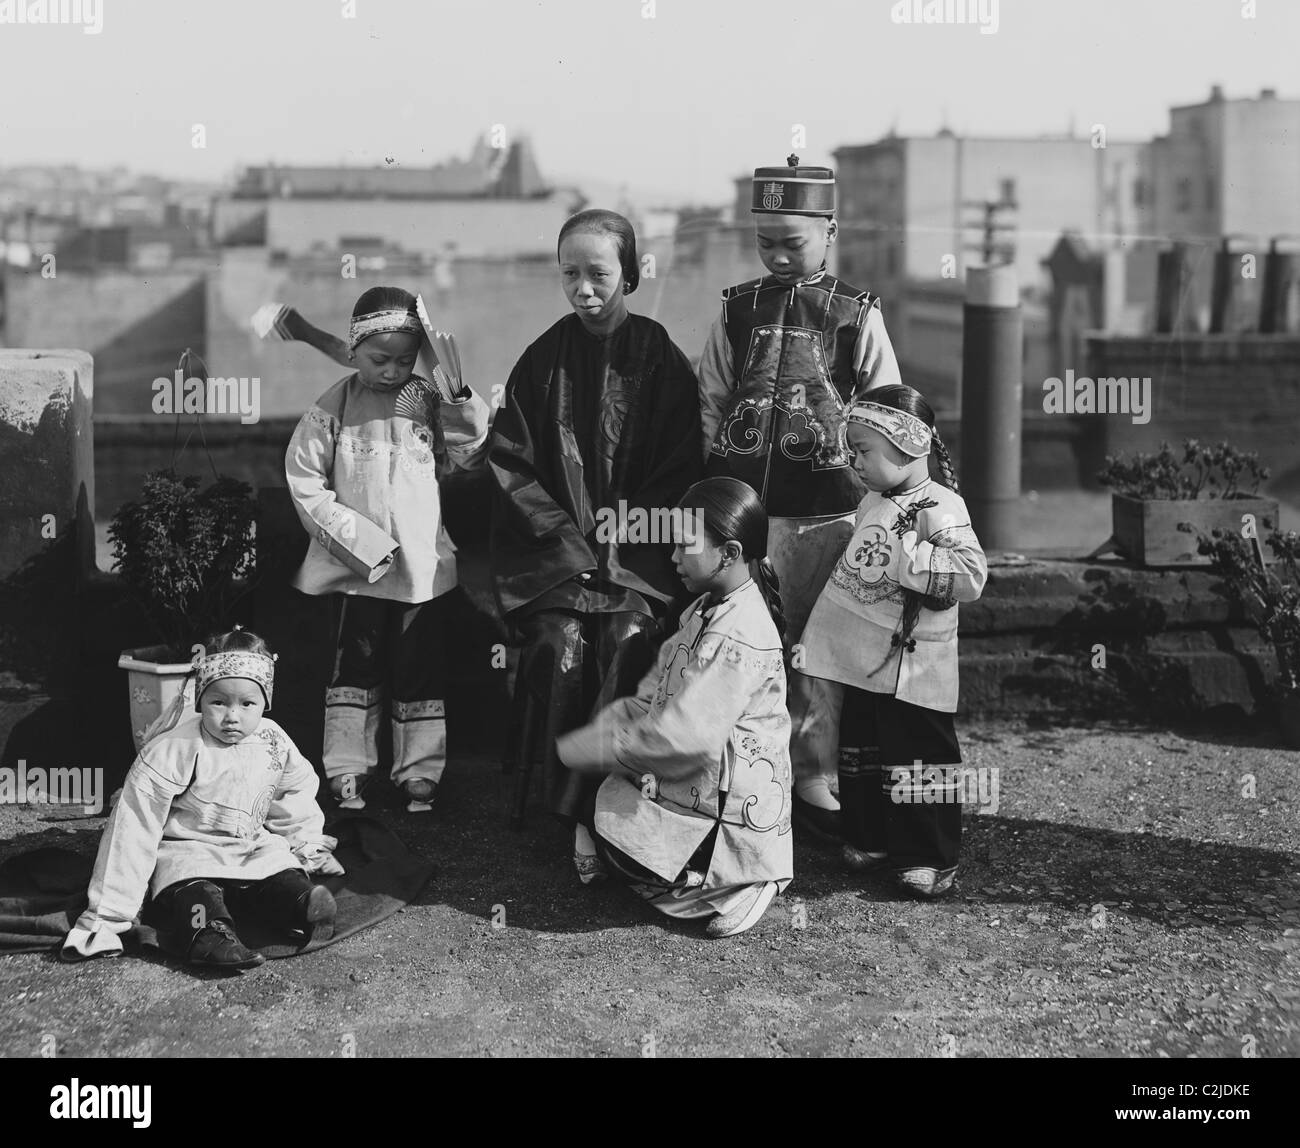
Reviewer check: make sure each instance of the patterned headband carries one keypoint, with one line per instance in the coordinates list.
(258, 668)
(905, 431)
(382, 323)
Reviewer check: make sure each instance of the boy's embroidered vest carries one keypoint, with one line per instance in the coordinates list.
(783, 429)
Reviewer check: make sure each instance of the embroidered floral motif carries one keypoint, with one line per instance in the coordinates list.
(360, 447)
(955, 537)
(275, 749)
(761, 661)
(871, 557)
(617, 407)
(942, 579)
(319, 418)
(261, 807)
(416, 455)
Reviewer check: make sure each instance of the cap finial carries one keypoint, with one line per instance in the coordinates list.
(792, 160)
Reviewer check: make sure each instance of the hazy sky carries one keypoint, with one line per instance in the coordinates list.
(684, 101)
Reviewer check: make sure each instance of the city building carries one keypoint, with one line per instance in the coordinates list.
(494, 204)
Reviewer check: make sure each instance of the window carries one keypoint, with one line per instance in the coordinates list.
(1141, 193)
(1183, 199)
(1008, 187)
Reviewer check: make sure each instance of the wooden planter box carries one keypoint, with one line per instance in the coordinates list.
(1146, 530)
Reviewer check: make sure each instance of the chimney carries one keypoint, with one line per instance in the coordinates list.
(1268, 93)
(1216, 94)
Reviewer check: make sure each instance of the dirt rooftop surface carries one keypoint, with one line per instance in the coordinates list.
(1135, 894)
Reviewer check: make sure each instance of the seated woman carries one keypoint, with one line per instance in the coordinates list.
(694, 811)
(600, 426)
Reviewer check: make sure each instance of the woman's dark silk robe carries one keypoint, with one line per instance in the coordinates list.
(590, 423)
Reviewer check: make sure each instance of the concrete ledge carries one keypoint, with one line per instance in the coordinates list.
(1082, 638)
(1023, 597)
(46, 453)
(47, 532)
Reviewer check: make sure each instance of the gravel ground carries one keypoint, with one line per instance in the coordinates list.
(1128, 898)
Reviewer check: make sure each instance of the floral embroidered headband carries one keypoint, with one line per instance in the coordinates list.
(905, 431)
(382, 323)
(257, 668)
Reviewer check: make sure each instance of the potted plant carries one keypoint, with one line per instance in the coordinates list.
(1270, 598)
(1206, 489)
(184, 553)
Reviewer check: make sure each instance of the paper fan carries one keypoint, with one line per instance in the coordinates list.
(439, 354)
(270, 317)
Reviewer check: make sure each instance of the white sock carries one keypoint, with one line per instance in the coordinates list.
(816, 791)
(582, 842)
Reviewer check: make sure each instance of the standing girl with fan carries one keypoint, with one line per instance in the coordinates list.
(363, 468)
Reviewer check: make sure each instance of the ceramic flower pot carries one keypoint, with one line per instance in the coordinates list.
(157, 687)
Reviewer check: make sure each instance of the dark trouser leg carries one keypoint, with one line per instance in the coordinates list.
(918, 832)
(862, 813)
(280, 899)
(620, 648)
(189, 906)
(354, 702)
(419, 709)
(547, 698)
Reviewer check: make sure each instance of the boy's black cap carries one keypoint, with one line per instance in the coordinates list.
(793, 190)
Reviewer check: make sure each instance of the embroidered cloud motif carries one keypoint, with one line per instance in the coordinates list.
(764, 806)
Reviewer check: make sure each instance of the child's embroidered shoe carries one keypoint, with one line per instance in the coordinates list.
(590, 867)
(419, 794)
(216, 947)
(744, 916)
(926, 882)
(857, 860)
(347, 789)
(317, 911)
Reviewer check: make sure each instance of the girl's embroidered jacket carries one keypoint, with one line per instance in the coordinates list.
(921, 540)
(191, 808)
(362, 470)
(705, 742)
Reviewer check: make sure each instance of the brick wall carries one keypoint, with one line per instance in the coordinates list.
(1242, 388)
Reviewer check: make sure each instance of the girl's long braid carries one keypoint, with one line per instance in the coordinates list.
(770, 587)
(944, 459)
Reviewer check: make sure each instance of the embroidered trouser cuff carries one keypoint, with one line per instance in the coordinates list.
(352, 718)
(419, 741)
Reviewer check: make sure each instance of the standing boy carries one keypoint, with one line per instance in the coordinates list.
(786, 358)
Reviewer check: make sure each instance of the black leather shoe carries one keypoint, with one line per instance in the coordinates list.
(217, 947)
(824, 824)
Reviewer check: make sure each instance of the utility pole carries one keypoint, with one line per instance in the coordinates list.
(992, 250)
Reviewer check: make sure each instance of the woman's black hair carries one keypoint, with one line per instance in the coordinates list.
(732, 512)
(237, 639)
(383, 299)
(597, 221)
(904, 398)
